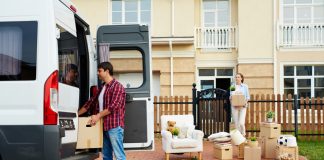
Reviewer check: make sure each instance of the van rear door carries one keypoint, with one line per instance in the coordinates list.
(128, 48)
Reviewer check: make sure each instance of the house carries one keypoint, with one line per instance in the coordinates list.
(277, 44)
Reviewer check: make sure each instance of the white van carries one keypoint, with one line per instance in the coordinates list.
(48, 69)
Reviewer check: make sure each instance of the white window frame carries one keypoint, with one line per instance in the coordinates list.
(213, 78)
(295, 6)
(138, 13)
(295, 77)
(216, 22)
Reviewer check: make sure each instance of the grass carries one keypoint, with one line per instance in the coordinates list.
(313, 150)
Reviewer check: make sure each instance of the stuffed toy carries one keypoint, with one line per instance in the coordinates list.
(171, 126)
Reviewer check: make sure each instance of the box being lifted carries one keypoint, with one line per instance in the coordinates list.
(89, 136)
(238, 99)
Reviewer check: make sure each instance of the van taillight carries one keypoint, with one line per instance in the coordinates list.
(51, 99)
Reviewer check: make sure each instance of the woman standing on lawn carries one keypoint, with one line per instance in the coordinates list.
(239, 112)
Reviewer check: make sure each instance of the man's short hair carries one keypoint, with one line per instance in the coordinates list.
(71, 66)
(107, 66)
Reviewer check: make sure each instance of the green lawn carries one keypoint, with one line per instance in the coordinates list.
(311, 150)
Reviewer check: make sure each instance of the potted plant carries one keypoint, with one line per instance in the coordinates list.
(175, 133)
(232, 88)
(270, 116)
(253, 142)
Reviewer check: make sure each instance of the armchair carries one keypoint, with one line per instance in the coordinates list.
(193, 142)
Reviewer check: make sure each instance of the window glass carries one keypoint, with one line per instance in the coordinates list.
(224, 72)
(288, 91)
(288, 1)
(288, 14)
(68, 58)
(319, 82)
(319, 70)
(304, 15)
(319, 93)
(304, 82)
(304, 92)
(18, 50)
(303, 1)
(289, 70)
(128, 67)
(216, 13)
(304, 70)
(289, 83)
(206, 72)
(319, 14)
(131, 12)
(116, 5)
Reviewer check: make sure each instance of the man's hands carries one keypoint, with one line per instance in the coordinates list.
(94, 119)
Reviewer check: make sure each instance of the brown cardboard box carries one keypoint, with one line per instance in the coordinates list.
(223, 151)
(291, 152)
(268, 145)
(89, 137)
(270, 130)
(241, 150)
(252, 153)
(238, 99)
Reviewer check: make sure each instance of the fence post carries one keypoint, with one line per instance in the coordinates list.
(296, 115)
(194, 102)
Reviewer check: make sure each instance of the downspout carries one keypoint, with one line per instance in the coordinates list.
(275, 47)
(171, 49)
(171, 67)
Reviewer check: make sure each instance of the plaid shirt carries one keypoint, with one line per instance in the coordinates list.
(113, 100)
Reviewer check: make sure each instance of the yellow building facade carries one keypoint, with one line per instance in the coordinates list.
(277, 44)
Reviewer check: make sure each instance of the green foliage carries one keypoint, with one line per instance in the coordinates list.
(232, 88)
(175, 131)
(270, 114)
(194, 158)
(253, 139)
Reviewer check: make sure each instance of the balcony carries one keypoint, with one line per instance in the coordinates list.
(300, 36)
(221, 38)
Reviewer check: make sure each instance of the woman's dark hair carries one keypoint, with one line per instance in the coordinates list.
(241, 76)
(107, 66)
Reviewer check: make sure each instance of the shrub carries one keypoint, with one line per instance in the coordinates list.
(270, 114)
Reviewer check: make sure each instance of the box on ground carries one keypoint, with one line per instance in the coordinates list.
(223, 151)
(270, 130)
(283, 151)
(89, 137)
(238, 100)
(268, 145)
(252, 153)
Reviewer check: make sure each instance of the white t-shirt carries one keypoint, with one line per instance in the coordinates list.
(100, 98)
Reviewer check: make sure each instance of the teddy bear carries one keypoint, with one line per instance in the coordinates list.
(171, 126)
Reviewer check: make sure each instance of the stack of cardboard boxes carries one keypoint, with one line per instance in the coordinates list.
(269, 133)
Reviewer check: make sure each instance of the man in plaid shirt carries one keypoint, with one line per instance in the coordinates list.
(109, 104)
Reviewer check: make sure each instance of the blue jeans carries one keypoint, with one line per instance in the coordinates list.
(113, 142)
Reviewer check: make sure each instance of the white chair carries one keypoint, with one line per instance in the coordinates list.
(193, 141)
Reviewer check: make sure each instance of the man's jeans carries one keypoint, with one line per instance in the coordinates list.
(113, 142)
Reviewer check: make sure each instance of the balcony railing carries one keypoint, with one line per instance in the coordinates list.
(222, 38)
(300, 36)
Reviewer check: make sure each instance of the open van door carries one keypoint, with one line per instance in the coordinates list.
(127, 47)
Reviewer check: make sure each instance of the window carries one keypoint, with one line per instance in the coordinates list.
(305, 81)
(214, 78)
(303, 11)
(128, 67)
(68, 58)
(18, 50)
(131, 12)
(216, 13)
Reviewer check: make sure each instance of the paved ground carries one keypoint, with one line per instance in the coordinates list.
(158, 153)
